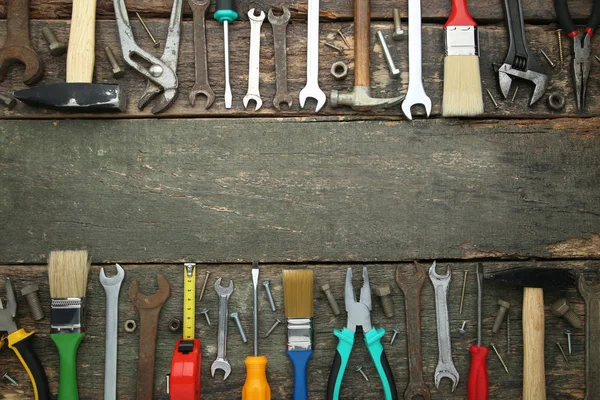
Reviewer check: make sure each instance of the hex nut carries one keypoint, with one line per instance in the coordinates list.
(556, 101)
(560, 307)
(130, 326)
(29, 289)
(503, 303)
(383, 290)
(339, 70)
(174, 324)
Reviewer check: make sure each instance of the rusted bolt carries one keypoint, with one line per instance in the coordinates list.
(332, 302)
(56, 48)
(504, 306)
(384, 292)
(561, 308)
(30, 293)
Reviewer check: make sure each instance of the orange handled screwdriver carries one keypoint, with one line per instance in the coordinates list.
(256, 386)
(478, 375)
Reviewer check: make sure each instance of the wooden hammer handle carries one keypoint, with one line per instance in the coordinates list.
(362, 36)
(81, 56)
(534, 375)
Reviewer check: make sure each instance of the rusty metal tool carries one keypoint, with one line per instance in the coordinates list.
(534, 280)
(17, 47)
(279, 25)
(149, 309)
(591, 295)
(410, 279)
(201, 86)
(221, 361)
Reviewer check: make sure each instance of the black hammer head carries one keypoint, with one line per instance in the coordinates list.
(537, 277)
(75, 97)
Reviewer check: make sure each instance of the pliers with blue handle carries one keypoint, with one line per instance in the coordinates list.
(359, 314)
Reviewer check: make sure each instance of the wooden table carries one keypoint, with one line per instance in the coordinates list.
(294, 188)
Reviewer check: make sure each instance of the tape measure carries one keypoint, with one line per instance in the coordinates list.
(184, 379)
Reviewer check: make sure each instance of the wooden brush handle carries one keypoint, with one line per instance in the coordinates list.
(460, 15)
(534, 376)
(362, 36)
(81, 57)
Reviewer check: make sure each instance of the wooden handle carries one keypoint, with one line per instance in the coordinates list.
(81, 57)
(534, 375)
(362, 36)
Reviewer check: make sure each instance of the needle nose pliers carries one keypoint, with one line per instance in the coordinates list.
(359, 315)
(582, 48)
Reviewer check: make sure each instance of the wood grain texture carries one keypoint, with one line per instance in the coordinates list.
(243, 190)
(82, 38)
(534, 373)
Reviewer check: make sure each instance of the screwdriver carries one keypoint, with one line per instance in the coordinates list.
(256, 386)
(225, 13)
(478, 375)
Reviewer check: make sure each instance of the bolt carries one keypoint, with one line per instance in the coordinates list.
(394, 335)
(508, 350)
(339, 32)
(462, 296)
(8, 378)
(205, 312)
(204, 285)
(267, 285)
(30, 293)
(394, 71)
(333, 46)
(277, 322)
(504, 306)
(236, 318)
(332, 302)
(548, 59)
(493, 346)
(568, 333)
(359, 369)
(493, 99)
(462, 329)
(117, 71)
(562, 352)
(156, 43)
(560, 308)
(514, 95)
(174, 324)
(8, 101)
(56, 48)
(398, 31)
(383, 292)
(560, 49)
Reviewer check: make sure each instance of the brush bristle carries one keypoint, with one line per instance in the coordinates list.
(298, 293)
(68, 273)
(462, 87)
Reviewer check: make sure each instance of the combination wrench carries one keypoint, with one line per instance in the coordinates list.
(312, 88)
(591, 295)
(279, 25)
(416, 92)
(201, 86)
(221, 360)
(254, 64)
(445, 367)
(111, 286)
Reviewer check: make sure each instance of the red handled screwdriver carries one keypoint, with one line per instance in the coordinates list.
(478, 375)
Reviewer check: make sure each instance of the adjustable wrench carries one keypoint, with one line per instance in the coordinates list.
(416, 92)
(254, 64)
(279, 25)
(312, 88)
(591, 295)
(221, 360)
(201, 86)
(111, 286)
(445, 367)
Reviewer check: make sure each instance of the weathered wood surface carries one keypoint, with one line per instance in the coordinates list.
(243, 190)
(564, 381)
(494, 44)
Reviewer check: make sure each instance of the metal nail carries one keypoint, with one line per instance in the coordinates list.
(156, 43)
(560, 48)
(359, 369)
(508, 347)
(277, 322)
(204, 285)
(548, 59)
(333, 46)
(236, 318)
(562, 352)
(205, 312)
(492, 97)
(597, 58)
(394, 335)
(462, 329)
(514, 95)
(8, 378)
(499, 357)
(267, 285)
(568, 333)
(462, 296)
(339, 32)
(56, 48)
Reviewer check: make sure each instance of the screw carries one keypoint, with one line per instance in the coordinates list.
(394, 72)
(156, 44)
(394, 335)
(174, 324)
(8, 378)
(514, 95)
(462, 296)
(236, 318)
(568, 333)
(499, 357)
(398, 31)
(562, 352)
(333, 46)
(205, 312)
(383, 292)
(30, 293)
(359, 369)
(560, 49)
(9, 101)
(504, 306)
(560, 308)
(277, 322)
(493, 99)
(462, 329)
(332, 303)
(267, 285)
(56, 48)
(339, 32)
(204, 285)
(508, 350)
(117, 71)
(547, 58)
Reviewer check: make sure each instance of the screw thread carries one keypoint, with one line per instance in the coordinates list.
(36, 307)
(499, 320)
(573, 319)
(388, 306)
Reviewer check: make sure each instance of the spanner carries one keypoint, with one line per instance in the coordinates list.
(111, 286)
(279, 25)
(416, 92)
(149, 308)
(410, 279)
(591, 295)
(221, 360)
(201, 86)
(254, 64)
(312, 88)
(17, 47)
(445, 367)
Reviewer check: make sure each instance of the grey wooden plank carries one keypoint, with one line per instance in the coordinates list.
(243, 190)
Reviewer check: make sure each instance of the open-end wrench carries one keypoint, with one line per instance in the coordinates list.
(591, 295)
(254, 64)
(312, 88)
(111, 286)
(445, 367)
(201, 86)
(416, 92)
(279, 25)
(221, 360)
(149, 308)
(17, 47)
(410, 279)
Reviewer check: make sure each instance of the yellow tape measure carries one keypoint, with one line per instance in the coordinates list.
(189, 300)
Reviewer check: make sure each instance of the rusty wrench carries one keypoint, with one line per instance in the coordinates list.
(279, 25)
(254, 63)
(149, 308)
(201, 86)
(410, 279)
(221, 360)
(591, 295)
(17, 47)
